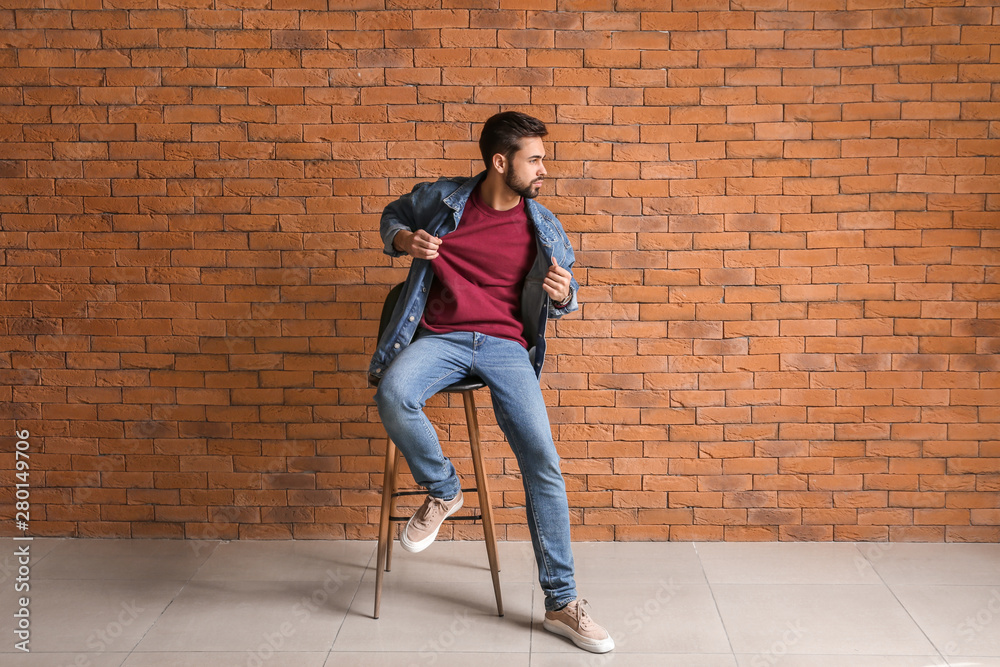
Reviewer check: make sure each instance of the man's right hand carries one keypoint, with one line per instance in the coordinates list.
(417, 244)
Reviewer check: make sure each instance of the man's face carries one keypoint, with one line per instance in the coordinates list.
(525, 172)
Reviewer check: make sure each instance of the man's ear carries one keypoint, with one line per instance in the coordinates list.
(499, 163)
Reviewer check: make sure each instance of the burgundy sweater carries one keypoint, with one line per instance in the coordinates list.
(479, 272)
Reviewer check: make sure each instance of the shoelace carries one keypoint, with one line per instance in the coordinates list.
(583, 619)
(432, 507)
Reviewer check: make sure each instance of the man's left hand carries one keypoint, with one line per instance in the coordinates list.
(556, 283)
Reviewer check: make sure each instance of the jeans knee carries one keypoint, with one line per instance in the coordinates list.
(393, 396)
(384, 394)
(546, 475)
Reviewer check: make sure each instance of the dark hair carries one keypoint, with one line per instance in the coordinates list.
(503, 132)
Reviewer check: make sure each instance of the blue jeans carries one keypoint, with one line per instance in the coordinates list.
(432, 362)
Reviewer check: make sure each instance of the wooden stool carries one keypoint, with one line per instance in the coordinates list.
(389, 494)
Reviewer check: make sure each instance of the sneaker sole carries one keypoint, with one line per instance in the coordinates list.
(417, 547)
(592, 645)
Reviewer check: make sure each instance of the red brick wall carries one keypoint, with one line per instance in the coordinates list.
(787, 221)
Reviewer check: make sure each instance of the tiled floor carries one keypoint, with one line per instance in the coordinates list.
(159, 603)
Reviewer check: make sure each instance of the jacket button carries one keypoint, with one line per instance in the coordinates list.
(396, 346)
(423, 289)
(411, 318)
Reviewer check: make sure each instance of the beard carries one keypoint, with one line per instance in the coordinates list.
(527, 189)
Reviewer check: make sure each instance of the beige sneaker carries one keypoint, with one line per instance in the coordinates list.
(425, 523)
(574, 622)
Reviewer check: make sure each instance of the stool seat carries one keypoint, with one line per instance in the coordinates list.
(470, 383)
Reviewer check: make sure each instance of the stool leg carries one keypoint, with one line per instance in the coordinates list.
(388, 482)
(392, 511)
(485, 508)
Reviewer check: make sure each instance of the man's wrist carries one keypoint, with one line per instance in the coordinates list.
(565, 302)
(399, 239)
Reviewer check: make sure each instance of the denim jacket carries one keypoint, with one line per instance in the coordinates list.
(437, 207)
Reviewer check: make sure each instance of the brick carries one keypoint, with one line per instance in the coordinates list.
(843, 20)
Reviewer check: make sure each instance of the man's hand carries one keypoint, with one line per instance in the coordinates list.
(419, 244)
(556, 282)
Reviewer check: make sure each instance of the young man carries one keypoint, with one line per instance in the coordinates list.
(490, 266)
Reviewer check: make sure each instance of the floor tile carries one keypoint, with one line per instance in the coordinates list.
(287, 560)
(960, 620)
(175, 560)
(817, 619)
(409, 659)
(636, 562)
(430, 617)
(840, 661)
(460, 561)
(226, 659)
(906, 563)
(785, 563)
(664, 618)
(619, 659)
(88, 616)
(296, 616)
(36, 659)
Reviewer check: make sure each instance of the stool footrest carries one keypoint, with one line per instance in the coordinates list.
(468, 517)
(396, 494)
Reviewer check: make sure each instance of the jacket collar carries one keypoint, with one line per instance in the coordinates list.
(457, 199)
